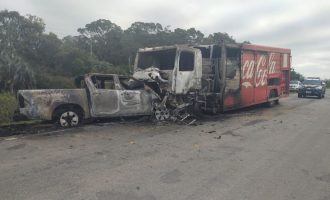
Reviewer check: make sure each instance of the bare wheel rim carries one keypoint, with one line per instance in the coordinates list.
(162, 114)
(69, 118)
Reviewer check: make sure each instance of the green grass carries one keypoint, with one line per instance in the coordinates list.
(13, 123)
(8, 106)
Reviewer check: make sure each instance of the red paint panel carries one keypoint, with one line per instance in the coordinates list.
(255, 47)
(274, 64)
(247, 76)
(261, 75)
(231, 102)
(285, 80)
(258, 65)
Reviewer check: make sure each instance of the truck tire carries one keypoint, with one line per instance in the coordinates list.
(272, 94)
(68, 117)
(197, 111)
(161, 113)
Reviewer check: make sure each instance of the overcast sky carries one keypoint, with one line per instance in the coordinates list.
(302, 26)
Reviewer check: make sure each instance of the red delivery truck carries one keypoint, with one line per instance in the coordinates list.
(214, 78)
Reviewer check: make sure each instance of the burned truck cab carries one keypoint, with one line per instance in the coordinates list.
(177, 69)
(183, 75)
(173, 74)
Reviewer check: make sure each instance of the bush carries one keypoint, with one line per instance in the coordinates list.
(54, 82)
(110, 69)
(328, 83)
(7, 107)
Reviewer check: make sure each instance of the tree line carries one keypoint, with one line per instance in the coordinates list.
(32, 58)
(296, 76)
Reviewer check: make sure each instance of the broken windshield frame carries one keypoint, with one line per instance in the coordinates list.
(162, 59)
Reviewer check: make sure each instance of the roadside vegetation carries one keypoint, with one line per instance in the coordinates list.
(328, 83)
(7, 107)
(296, 76)
(32, 58)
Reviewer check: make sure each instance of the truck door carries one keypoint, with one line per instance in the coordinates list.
(104, 96)
(187, 72)
(247, 78)
(133, 102)
(233, 77)
(285, 78)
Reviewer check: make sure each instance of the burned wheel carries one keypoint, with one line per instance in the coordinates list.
(68, 117)
(272, 95)
(161, 113)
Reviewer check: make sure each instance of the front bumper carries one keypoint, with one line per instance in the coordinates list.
(310, 92)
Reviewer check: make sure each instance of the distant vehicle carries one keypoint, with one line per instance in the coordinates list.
(97, 96)
(312, 87)
(313, 78)
(295, 85)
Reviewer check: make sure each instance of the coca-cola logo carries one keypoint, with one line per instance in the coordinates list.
(260, 70)
(271, 64)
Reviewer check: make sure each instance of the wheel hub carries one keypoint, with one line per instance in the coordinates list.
(69, 118)
(162, 113)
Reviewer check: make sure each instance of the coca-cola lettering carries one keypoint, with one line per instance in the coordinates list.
(260, 78)
(261, 72)
(271, 64)
(248, 69)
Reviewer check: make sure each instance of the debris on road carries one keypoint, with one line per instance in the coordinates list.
(10, 138)
(218, 137)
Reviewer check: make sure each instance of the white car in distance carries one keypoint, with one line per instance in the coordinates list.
(295, 85)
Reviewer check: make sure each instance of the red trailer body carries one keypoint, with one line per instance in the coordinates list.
(214, 78)
(264, 76)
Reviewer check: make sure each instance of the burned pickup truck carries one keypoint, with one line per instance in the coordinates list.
(96, 96)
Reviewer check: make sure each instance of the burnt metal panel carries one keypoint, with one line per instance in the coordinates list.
(40, 104)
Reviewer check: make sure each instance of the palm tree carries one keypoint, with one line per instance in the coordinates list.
(15, 73)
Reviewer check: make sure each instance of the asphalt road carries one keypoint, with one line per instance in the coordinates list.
(257, 153)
